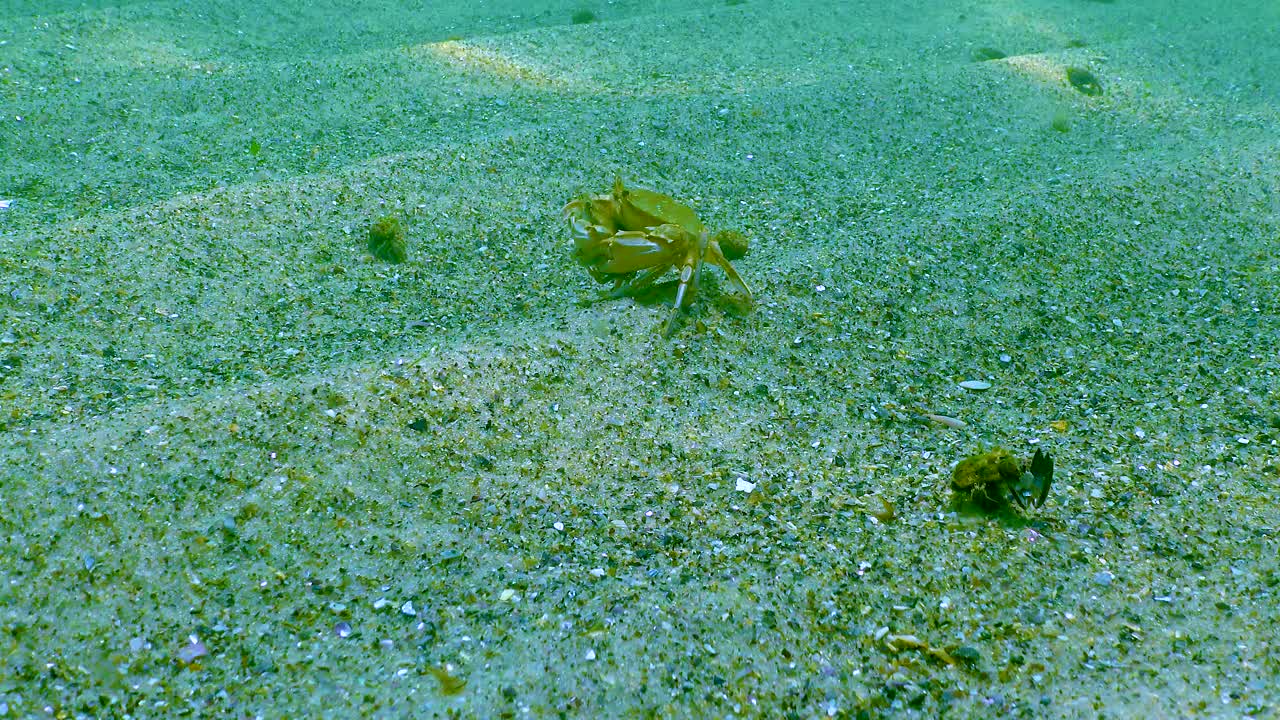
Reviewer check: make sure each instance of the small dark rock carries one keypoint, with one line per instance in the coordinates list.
(967, 655)
(1084, 81)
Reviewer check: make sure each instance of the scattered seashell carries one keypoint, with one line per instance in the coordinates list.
(975, 385)
(450, 684)
(192, 651)
(744, 485)
(898, 643)
(948, 421)
(882, 510)
(940, 655)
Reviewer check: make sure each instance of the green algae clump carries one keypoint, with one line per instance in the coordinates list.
(1061, 121)
(387, 240)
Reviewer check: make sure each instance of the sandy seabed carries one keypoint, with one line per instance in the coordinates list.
(250, 471)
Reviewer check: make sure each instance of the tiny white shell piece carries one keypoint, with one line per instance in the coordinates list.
(975, 385)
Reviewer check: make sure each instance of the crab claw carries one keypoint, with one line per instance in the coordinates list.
(1033, 486)
(716, 255)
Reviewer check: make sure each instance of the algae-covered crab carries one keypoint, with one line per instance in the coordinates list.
(633, 236)
(994, 477)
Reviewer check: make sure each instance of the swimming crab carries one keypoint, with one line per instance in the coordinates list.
(633, 236)
(994, 477)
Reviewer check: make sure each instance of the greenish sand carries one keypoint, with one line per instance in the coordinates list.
(247, 470)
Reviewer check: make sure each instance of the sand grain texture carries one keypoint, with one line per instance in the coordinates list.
(248, 470)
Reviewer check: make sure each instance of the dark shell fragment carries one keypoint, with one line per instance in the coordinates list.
(1084, 81)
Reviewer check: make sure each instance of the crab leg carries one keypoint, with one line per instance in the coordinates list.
(632, 285)
(715, 255)
(690, 275)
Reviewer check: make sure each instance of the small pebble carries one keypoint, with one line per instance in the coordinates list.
(407, 608)
(192, 651)
(342, 629)
(975, 385)
(1103, 578)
